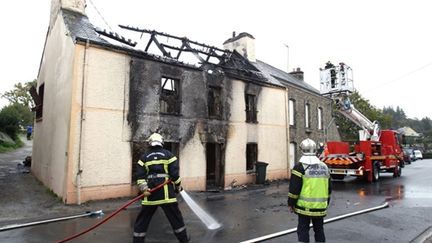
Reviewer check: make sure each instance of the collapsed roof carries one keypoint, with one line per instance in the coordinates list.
(176, 50)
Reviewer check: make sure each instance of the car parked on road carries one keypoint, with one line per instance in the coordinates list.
(408, 155)
(418, 154)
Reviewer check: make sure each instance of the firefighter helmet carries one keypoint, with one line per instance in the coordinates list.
(308, 147)
(155, 140)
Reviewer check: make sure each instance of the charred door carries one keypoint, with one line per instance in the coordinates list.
(215, 168)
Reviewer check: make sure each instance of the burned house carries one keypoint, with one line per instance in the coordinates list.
(100, 96)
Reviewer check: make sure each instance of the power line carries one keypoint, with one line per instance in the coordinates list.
(100, 15)
(402, 76)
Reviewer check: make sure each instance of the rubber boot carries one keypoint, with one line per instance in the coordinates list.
(183, 237)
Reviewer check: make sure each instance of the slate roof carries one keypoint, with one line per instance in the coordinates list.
(277, 76)
(80, 27)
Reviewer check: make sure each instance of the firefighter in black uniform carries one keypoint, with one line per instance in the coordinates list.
(309, 192)
(154, 168)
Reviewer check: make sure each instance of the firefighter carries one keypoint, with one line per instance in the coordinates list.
(309, 192)
(154, 168)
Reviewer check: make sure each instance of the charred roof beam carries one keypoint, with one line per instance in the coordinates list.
(116, 37)
(159, 45)
(186, 45)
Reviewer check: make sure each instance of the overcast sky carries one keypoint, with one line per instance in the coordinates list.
(388, 44)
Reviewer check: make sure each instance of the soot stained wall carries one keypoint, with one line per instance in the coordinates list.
(144, 108)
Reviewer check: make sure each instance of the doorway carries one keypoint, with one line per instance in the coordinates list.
(215, 167)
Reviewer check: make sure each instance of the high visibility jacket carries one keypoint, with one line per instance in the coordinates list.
(309, 189)
(154, 168)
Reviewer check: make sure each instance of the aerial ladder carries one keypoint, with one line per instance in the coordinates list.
(375, 152)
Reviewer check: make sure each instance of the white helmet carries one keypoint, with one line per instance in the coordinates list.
(155, 140)
(308, 147)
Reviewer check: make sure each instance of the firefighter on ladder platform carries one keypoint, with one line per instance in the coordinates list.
(309, 192)
(154, 168)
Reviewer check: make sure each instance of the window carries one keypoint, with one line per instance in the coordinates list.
(39, 104)
(307, 116)
(320, 120)
(170, 96)
(251, 156)
(291, 112)
(214, 102)
(251, 109)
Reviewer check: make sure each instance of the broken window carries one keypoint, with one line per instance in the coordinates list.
(38, 98)
(251, 109)
(307, 115)
(170, 96)
(214, 102)
(292, 112)
(251, 156)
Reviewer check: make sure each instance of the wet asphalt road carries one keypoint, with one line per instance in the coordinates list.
(260, 210)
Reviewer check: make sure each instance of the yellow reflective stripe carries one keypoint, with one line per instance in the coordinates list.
(310, 213)
(140, 163)
(141, 181)
(157, 162)
(166, 191)
(177, 181)
(310, 199)
(294, 172)
(158, 202)
(293, 195)
(172, 160)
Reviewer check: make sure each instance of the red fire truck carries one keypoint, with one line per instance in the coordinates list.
(377, 150)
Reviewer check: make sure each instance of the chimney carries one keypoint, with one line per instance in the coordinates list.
(77, 6)
(298, 73)
(243, 43)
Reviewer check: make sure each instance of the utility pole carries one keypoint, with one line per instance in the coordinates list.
(287, 57)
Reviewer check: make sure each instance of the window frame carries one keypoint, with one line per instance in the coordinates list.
(170, 97)
(39, 107)
(251, 108)
(251, 156)
(214, 102)
(292, 112)
(320, 120)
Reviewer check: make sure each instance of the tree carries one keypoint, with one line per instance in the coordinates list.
(18, 113)
(349, 130)
(398, 117)
(13, 117)
(20, 94)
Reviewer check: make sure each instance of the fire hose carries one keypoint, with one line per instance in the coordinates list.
(289, 231)
(113, 214)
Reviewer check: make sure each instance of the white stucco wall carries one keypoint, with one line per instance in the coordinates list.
(104, 157)
(269, 133)
(51, 133)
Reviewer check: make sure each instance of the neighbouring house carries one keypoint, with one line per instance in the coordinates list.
(310, 114)
(99, 96)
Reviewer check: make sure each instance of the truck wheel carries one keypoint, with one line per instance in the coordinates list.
(397, 171)
(376, 172)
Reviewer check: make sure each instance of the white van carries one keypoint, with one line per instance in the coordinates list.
(418, 154)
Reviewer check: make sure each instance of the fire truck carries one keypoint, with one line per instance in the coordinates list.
(377, 151)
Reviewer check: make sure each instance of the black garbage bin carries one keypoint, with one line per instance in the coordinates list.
(261, 172)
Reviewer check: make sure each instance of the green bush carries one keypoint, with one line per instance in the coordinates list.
(6, 147)
(427, 156)
(13, 117)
